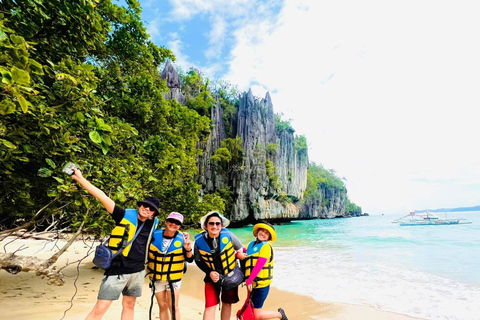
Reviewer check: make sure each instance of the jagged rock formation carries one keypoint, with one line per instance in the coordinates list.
(270, 181)
(331, 205)
(173, 82)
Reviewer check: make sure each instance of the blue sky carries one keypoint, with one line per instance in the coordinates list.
(386, 92)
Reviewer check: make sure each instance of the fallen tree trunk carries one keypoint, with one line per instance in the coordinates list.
(14, 264)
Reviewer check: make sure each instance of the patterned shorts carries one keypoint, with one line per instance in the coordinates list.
(163, 285)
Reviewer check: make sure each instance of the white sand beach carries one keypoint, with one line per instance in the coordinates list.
(27, 296)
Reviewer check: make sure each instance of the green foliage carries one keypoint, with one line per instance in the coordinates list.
(210, 202)
(283, 125)
(226, 91)
(271, 149)
(16, 65)
(60, 28)
(228, 97)
(198, 95)
(88, 91)
(320, 178)
(284, 198)
(352, 209)
(301, 148)
(202, 103)
(222, 155)
(230, 155)
(274, 178)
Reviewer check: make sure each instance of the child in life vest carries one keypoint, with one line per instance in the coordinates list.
(259, 270)
(168, 252)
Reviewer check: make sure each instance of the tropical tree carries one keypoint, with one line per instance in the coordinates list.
(80, 83)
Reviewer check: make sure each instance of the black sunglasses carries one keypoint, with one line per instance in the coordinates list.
(174, 221)
(211, 223)
(146, 206)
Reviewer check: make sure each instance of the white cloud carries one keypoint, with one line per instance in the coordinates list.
(153, 29)
(216, 37)
(382, 90)
(176, 45)
(186, 9)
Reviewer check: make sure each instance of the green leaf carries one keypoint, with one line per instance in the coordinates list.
(35, 67)
(23, 102)
(28, 148)
(51, 163)
(95, 137)
(8, 144)
(79, 116)
(44, 172)
(88, 67)
(16, 39)
(20, 76)
(104, 148)
(59, 179)
(52, 192)
(7, 107)
(105, 127)
(6, 77)
(107, 140)
(3, 35)
(29, 90)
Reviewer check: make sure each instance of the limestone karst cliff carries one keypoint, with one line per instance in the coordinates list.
(269, 179)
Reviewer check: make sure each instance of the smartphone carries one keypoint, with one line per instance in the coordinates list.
(68, 168)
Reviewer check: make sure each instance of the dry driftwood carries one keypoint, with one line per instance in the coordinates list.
(23, 234)
(14, 264)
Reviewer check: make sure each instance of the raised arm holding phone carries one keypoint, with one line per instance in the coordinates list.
(126, 274)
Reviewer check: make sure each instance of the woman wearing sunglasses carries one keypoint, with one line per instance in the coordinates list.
(216, 250)
(168, 251)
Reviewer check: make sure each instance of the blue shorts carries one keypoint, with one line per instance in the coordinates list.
(258, 296)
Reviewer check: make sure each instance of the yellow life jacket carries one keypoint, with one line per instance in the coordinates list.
(168, 265)
(227, 251)
(265, 276)
(124, 232)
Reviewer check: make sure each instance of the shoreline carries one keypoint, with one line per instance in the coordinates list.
(42, 301)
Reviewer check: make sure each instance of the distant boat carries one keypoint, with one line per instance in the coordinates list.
(427, 219)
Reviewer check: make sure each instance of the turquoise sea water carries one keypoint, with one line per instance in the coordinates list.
(430, 272)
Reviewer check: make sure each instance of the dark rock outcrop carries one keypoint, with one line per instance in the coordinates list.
(272, 178)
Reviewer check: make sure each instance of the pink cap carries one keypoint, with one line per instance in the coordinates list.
(177, 216)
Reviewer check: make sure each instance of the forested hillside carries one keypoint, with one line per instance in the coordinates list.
(81, 82)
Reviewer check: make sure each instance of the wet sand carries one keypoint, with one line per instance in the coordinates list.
(27, 296)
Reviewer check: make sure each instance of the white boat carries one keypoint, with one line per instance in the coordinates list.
(428, 219)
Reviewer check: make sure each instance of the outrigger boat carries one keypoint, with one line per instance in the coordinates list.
(427, 219)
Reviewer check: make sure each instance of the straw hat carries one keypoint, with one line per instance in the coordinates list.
(266, 226)
(225, 221)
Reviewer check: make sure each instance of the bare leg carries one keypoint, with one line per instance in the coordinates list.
(265, 314)
(163, 304)
(209, 313)
(99, 310)
(226, 311)
(169, 301)
(128, 303)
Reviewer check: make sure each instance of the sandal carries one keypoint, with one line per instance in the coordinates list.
(284, 316)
